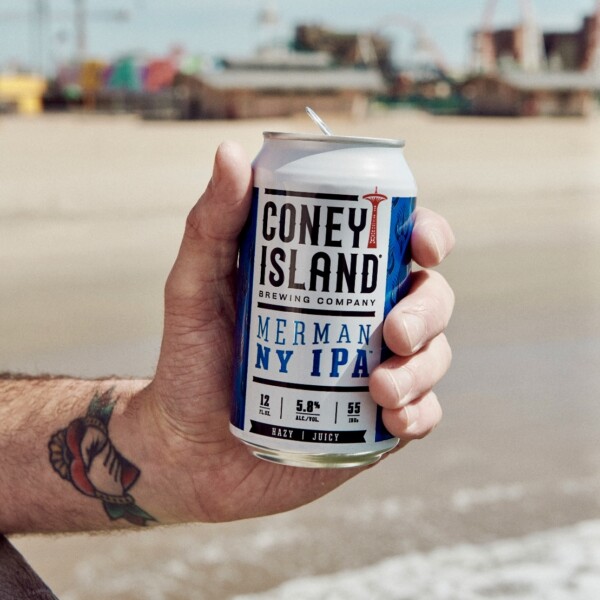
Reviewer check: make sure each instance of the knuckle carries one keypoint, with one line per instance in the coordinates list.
(171, 286)
(193, 224)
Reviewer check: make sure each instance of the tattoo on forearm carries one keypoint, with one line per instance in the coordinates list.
(84, 455)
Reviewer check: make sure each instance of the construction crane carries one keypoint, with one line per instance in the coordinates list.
(38, 18)
(41, 15)
(82, 14)
(531, 57)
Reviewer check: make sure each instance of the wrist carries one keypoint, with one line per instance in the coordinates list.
(161, 451)
(92, 453)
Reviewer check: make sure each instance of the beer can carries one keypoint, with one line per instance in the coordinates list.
(324, 257)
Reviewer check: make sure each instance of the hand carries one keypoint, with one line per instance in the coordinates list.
(211, 475)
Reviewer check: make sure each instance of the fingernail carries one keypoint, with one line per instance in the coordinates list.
(216, 172)
(440, 244)
(410, 415)
(414, 327)
(403, 384)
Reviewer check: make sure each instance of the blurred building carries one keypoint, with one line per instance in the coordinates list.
(525, 47)
(522, 71)
(551, 94)
(577, 50)
(280, 83)
(347, 49)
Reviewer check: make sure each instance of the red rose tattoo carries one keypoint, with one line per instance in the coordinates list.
(84, 455)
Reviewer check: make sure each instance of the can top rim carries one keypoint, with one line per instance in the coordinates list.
(334, 139)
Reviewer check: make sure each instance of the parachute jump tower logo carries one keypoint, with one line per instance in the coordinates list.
(375, 198)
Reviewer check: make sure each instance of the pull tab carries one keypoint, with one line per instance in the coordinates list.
(318, 121)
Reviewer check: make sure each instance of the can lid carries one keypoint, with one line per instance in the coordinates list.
(334, 139)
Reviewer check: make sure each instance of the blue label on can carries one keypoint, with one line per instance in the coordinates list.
(244, 313)
(398, 272)
(318, 273)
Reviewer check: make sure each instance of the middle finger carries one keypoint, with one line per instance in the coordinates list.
(400, 380)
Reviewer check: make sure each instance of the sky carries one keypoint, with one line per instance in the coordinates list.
(216, 28)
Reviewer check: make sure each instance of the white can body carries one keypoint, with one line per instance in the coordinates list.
(324, 257)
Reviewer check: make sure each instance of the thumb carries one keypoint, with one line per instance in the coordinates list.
(209, 247)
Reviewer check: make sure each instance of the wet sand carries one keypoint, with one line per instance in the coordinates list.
(91, 212)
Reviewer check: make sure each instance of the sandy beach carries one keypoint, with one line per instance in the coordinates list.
(502, 501)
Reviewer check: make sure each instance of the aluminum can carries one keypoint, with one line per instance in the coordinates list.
(324, 257)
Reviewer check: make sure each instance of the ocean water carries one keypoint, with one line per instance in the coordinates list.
(559, 564)
(437, 549)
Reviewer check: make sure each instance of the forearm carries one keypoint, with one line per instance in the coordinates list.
(75, 455)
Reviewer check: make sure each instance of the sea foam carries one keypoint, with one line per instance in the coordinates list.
(558, 564)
